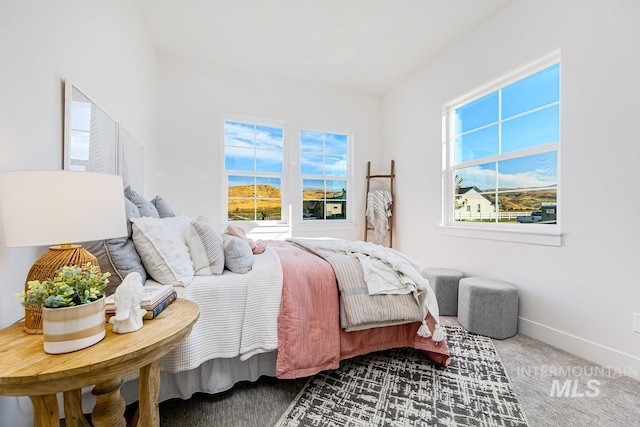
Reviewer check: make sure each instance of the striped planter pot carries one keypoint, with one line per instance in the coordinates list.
(68, 329)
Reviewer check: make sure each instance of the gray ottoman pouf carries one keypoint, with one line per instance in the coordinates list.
(444, 282)
(488, 307)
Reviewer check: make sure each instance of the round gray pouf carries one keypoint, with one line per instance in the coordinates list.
(444, 282)
(488, 307)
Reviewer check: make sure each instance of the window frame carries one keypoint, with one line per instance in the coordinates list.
(546, 234)
(283, 176)
(337, 223)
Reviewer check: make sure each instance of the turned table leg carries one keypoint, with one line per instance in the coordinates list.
(45, 410)
(73, 416)
(109, 409)
(148, 392)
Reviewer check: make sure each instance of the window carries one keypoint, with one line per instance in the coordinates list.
(253, 158)
(501, 151)
(323, 167)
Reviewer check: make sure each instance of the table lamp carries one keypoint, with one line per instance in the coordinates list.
(41, 208)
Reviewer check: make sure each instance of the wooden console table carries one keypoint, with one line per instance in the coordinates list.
(26, 370)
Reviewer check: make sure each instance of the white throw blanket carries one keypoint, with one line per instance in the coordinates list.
(378, 212)
(386, 271)
(238, 315)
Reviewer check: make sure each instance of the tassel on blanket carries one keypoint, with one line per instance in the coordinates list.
(423, 330)
(438, 333)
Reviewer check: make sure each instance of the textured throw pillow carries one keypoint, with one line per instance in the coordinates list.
(161, 245)
(206, 248)
(122, 253)
(124, 257)
(98, 249)
(145, 207)
(163, 208)
(238, 256)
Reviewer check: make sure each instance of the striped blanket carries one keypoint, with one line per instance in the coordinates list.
(378, 286)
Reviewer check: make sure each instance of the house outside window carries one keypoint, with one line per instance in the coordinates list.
(254, 168)
(324, 172)
(500, 150)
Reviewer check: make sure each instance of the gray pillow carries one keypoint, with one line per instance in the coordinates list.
(125, 259)
(238, 256)
(121, 251)
(164, 210)
(131, 211)
(145, 207)
(98, 249)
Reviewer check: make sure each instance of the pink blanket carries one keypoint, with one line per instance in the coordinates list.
(310, 339)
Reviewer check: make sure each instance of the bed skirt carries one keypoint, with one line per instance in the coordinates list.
(213, 376)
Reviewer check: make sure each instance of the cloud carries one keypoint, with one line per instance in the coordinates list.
(485, 178)
(249, 136)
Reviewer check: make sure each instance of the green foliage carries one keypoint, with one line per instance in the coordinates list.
(459, 201)
(72, 285)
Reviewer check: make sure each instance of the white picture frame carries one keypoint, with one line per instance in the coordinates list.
(90, 134)
(130, 160)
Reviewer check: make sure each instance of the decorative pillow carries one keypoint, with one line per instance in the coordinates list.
(124, 257)
(161, 245)
(206, 248)
(163, 208)
(120, 253)
(238, 256)
(98, 249)
(257, 247)
(131, 211)
(145, 207)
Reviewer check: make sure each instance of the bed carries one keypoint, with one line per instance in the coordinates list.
(275, 310)
(281, 319)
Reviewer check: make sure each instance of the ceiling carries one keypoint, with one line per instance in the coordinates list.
(364, 45)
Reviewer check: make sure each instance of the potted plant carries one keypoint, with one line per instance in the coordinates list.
(73, 310)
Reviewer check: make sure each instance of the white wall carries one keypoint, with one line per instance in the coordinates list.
(105, 50)
(581, 296)
(194, 98)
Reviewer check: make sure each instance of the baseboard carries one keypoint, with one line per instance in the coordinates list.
(617, 361)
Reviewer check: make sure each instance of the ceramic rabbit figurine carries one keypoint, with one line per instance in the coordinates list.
(128, 295)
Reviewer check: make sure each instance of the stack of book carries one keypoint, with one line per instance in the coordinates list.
(156, 298)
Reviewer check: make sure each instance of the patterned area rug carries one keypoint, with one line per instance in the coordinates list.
(401, 388)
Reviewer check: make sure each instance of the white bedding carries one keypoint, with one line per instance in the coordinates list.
(238, 320)
(238, 315)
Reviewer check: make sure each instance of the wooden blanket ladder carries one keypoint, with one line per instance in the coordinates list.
(390, 180)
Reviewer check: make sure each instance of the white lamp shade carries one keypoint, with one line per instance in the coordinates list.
(42, 208)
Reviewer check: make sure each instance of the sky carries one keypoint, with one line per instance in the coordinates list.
(523, 115)
(322, 155)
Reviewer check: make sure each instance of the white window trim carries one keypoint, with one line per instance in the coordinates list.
(284, 182)
(347, 224)
(547, 234)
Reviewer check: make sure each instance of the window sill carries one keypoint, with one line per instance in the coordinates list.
(321, 225)
(514, 236)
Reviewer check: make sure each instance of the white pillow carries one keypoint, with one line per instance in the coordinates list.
(160, 242)
(206, 248)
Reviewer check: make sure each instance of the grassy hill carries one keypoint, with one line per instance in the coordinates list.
(266, 191)
(266, 206)
(523, 201)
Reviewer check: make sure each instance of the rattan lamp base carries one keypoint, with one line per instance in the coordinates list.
(45, 268)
